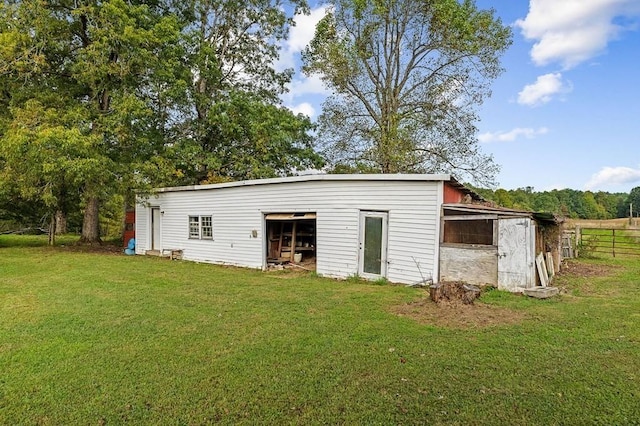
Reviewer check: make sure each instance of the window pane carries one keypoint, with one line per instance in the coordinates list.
(194, 227)
(372, 245)
(478, 232)
(207, 227)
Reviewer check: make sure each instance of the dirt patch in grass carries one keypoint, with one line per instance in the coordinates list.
(581, 269)
(458, 315)
(579, 278)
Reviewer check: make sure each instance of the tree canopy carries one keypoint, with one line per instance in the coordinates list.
(100, 98)
(634, 200)
(231, 124)
(79, 104)
(407, 77)
(564, 202)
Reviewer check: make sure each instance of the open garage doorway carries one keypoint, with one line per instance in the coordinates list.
(291, 238)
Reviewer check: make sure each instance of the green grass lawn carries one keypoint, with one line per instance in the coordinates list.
(90, 338)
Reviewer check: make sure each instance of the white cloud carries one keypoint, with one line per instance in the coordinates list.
(305, 87)
(611, 176)
(312, 85)
(512, 135)
(570, 32)
(304, 108)
(299, 36)
(302, 33)
(543, 90)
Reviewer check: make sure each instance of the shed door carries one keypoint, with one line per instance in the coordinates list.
(515, 259)
(373, 244)
(155, 229)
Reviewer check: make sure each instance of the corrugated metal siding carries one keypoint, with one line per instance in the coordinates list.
(337, 242)
(236, 211)
(142, 233)
(411, 246)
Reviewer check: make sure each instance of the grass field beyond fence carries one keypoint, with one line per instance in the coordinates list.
(608, 242)
(91, 338)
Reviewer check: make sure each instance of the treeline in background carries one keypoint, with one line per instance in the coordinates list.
(567, 203)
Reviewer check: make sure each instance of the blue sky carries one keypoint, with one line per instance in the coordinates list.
(565, 113)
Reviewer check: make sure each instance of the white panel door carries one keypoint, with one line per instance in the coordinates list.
(373, 244)
(156, 239)
(514, 257)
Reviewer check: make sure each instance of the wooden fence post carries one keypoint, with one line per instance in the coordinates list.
(578, 240)
(613, 242)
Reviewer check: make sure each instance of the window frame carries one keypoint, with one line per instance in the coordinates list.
(208, 227)
(450, 222)
(198, 225)
(194, 225)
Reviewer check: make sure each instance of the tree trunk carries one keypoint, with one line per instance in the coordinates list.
(436, 292)
(52, 229)
(91, 222)
(61, 222)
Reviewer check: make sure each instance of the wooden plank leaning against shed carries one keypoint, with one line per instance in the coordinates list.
(542, 270)
(551, 270)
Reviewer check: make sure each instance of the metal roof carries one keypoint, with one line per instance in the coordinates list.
(324, 177)
(502, 211)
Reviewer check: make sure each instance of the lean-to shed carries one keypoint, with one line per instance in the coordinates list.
(486, 245)
(373, 226)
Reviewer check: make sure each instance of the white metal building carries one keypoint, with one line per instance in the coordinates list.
(367, 225)
(373, 226)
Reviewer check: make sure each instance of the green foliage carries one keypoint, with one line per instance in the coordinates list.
(407, 77)
(231, 122)
(588, 246)
(247, 139)
(634, 198)
(57, 154)
(101, 98)
(565, 202)
(82, 82)
(354, 278)
(381, 281)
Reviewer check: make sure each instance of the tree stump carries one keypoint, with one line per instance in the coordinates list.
(471, 293)
(454, 292)
(436, 292)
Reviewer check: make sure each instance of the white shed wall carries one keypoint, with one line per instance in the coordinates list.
(413, 206)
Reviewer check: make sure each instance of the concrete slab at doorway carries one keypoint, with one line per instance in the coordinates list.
(541, 292)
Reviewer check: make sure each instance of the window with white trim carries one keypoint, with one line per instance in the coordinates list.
(206, 228)
(194, 226)
(201, 227)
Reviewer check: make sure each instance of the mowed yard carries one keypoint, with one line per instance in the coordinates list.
(100, 338)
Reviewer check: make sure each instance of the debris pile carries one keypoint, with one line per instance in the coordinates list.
(454, 291)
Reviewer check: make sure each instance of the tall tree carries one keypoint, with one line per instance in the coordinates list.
(47, 155)
(634, 200)
(234, 126)
(97, 63)
(407, 77)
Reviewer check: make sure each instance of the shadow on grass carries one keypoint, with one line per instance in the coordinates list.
(13, 240)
